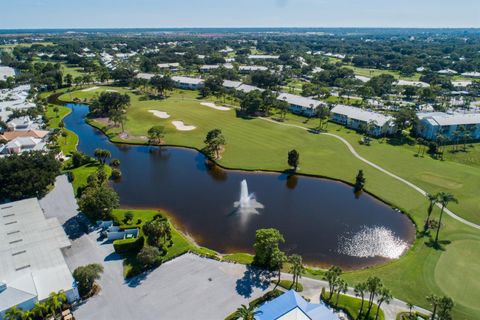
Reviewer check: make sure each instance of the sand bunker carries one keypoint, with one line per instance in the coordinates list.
(182, 127)
(160, 114)
(214, 106)
(90, 89)
(110, 90)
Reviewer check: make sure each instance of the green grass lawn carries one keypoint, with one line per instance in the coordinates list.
(413, 276)
(69, 143)
(352, 305)
(181, 244)
(367, 72)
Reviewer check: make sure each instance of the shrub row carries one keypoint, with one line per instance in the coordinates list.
(129, 245)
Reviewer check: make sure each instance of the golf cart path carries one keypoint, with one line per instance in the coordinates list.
(359, 157)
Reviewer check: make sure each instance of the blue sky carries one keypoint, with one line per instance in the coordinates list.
(238, 13)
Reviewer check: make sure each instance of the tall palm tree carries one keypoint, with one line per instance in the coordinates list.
(246, 313)
(360, 290)
(444, 198)
(296, 268)
(433, 199)
(434, 301)
(385, 296)
(14, 313)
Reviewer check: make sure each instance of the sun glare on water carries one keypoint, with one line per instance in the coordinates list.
(372, 242)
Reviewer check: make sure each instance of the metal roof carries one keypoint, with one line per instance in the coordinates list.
(299, 100)
(30, 250)
(362, 115)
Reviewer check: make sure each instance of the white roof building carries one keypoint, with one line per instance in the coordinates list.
(262, 57)
(14, 99)
(299, 104)
(471, 74)
(146, 76)
(32, 264)
(6, 72)
(418, 84)
(252, 68)
(362, 115)
(169, 65)
(246, 88)
(231, 84)
(447, 71)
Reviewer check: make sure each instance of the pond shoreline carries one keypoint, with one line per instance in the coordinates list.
(411, 243)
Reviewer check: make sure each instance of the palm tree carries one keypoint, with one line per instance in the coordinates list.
(14, 313)
(296, 268)
(40, 310)
(434, 301)
(360, 290)
(410, 307)
(246, 313)
(433, 199)
(444, 198)
(56, 301)
(385, 296)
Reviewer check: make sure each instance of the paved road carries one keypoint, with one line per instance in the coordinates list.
(185, 288)
(356, 155)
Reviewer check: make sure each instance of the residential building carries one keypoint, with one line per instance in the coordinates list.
(300, 105)
(418, 84)
(11, 135)
(188, 83)
(210, 67)
(447, 71)
(22, 124)
(433, 124)
(248, 69)
(357, 118)
(471, 74)
(246, 88)
(32, 263)
(146, 76)
(263, 57)
(14, 99)
(23, 144)
(229, 84)
(291, 306)
(6, 72)
(172, 66)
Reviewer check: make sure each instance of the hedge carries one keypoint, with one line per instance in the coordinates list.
(129, 245)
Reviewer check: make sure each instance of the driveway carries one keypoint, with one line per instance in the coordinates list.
(185, 288)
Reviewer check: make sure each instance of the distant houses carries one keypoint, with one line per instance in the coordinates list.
(172, 66)
(352, 117)
(263, 57)
(300, 105)
(433, 124)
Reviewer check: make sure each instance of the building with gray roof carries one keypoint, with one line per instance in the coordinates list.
(32, 263)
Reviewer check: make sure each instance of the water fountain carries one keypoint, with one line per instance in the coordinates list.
(247, 202)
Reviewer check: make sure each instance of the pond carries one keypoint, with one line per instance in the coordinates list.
(320, 219)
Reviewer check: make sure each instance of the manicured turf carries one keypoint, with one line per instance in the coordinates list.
(366, 72)
(352, 305)
(69, 143)
(464, 258)
(411, 277)
(243, 258)
(180, 245)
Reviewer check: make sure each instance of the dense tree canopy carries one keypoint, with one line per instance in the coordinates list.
(27, 175)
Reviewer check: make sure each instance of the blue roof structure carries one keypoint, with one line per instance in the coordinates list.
(291, 305)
